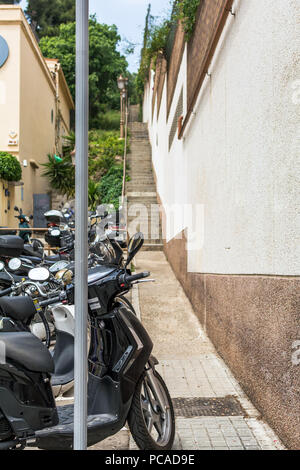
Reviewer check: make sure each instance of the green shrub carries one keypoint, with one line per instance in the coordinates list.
(106, 143)
(10, 168)
(94, 195)
(100, 166)
(109, 120)
(110, 187)
(61, 175)
(103, 149)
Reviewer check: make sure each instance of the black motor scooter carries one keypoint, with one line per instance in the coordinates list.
(122, 381)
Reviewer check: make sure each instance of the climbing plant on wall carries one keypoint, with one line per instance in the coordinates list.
(156, 35)
(186, 11)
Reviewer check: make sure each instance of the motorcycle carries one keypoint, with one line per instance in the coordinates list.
(55, 324)
(123, 383)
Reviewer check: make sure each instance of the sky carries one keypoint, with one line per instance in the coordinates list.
(129, 16)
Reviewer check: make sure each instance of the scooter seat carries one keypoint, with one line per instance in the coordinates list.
(18, 308)
(54, 258)
(29, 251)
(27, 350)
(98, 273)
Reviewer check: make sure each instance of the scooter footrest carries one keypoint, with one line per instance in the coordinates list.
(60, 437)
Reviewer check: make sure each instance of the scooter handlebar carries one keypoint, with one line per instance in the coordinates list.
(127, 279)
(6, 291)
(53, 300)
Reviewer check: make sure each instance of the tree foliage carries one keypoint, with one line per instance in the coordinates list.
(9, 2)
(154, 41)
(105, 63)
(46, 16)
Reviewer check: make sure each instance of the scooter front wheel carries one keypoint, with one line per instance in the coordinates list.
(152, 427)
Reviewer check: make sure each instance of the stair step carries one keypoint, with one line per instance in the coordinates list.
(141, 189)
(142, 194)
(152, 247)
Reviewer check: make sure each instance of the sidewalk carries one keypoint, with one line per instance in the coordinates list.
(212, 412)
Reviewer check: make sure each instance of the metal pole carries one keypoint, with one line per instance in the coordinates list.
(81, 228)
(122, 117)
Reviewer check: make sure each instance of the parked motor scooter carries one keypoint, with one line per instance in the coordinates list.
(23, 223)
(122, 381)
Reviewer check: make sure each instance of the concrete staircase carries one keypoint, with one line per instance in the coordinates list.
(142, 206)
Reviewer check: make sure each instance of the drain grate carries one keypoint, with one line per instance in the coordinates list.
(193, 407)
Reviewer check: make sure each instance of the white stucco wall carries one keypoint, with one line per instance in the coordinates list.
(239, 159)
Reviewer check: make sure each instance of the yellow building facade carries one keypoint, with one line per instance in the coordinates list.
(35, 107)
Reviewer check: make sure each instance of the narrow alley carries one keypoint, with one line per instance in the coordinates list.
(212, 412)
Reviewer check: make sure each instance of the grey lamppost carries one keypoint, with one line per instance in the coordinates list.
(122, 85)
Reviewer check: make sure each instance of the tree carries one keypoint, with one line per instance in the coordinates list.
(46, 16)
(105, 63)
(9, 2)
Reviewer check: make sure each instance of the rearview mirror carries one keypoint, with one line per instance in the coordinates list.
(135, 244)
(58, 266)
(39, 274)
(14, 264)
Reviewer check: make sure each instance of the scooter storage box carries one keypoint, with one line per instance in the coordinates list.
(11, 245)
(62, 240)
(51, 240)
(53, 217)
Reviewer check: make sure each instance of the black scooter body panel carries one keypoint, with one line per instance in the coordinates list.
(63, 358)
(26, 400)
(119, 352)
(106, 416)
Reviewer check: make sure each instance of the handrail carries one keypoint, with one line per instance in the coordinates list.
(125, 152)
(32, 229)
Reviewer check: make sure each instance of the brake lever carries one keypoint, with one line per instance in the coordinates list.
(143, 280)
